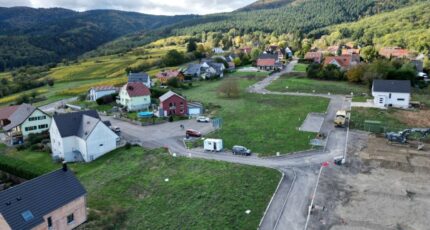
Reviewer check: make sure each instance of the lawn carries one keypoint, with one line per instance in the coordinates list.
(300, 67)
(389, 118)
(127, 190)
(265, 123)
(246, 74)
(288, 83)
(93, 105)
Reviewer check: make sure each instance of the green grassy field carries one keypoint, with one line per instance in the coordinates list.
(127, 190)
(246, 74)
(265, 123)
(386, 117)
(300, 67)
(306, 85)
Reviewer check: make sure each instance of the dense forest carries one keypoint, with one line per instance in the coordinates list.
(39, 36)
(407, 28)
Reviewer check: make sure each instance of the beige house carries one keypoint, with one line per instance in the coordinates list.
(21, 120)
(135, 96)
(56, 200)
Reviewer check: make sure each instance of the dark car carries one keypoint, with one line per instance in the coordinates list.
(192, 133)
(240, 150)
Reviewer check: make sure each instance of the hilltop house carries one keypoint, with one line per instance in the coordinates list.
(394, 52)
(80, 136)
(315, 57)
(101, 91)
(344, 62)
(268, 62)
(193, 71)
(141, 77)
(19, 121)
(173, 104)
(217, 50)
(134, 96)
(56, 200)
(164, 76)
(333, 49)
(391, 93)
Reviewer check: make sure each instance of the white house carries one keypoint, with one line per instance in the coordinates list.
(391, 93)
(218, 50)
(140, 77)
(80, 136)
(101, 91)
(21, 120)
(135, 96)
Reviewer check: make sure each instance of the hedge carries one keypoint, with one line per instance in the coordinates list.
(20, 168)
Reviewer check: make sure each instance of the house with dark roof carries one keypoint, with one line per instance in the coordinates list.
(100, 91)
(135, 96)
(140, 77)
(193, 71)
(56, 200)
(80, 136)
(391, 93)
(173, 104)
(268, 62)
(21, 120)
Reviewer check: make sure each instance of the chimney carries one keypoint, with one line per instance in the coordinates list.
(64, 166)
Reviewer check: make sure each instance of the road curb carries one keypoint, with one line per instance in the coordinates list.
(286, 200)
(271, 199)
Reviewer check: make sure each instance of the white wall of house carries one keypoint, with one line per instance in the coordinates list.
(94, 95)
(384, 99)
(37, 122)
(134, 103)
(101, 141)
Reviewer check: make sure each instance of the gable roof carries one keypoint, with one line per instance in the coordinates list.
(344, 61)
(136, 89)
(168, 74)
(169, 95)
(138, 77)
(394, 86)
(40, 196)
(78, 124)
(19, 115)
(104, 88)
(393, 52)
(315, 56)
(268, 56)
(6, 112)
(193, 69)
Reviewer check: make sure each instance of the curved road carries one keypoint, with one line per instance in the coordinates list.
(288, 209)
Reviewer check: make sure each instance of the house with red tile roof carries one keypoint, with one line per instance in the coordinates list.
(135, 96)
(344, 62)
(164, 76)
(314, 56)
(395, 52)
(268, 62)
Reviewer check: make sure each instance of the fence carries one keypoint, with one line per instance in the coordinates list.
(376, 127)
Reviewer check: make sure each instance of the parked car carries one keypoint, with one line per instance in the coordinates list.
(203, 119)
(192, 133)
(240, 150)
(116, 129)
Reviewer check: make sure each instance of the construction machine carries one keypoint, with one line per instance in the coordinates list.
(402, 136)
(340, 119)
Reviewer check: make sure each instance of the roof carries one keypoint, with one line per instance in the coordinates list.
(193, 69)
(268, 56)
(137, 89)
(6, 112)
(315, 56)
(138, 77)
(168, 95)
(78, 124)
(40, 196)
(168, 74)
(195, 104)
(393, 52)
(266, 62)
(344, 60)
(394, 86)
(104, 88)
(333, 49)
(217, 66)
(19, 115)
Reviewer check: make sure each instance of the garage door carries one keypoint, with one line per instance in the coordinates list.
(194, 111)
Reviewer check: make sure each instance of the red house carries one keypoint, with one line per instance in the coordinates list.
(173, 104)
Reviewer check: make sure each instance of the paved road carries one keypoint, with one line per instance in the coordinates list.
(52, 107)
(288, 209)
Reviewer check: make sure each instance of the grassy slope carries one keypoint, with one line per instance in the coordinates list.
(306, 85)
(127, 191)
(265, 123)
(300, 67)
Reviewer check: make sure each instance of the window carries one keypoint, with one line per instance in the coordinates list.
(49, 222)
(30, 128)
(27, 215)
(101, 145)
(44, 126)
(70, 218)
(389, 95)
(400, 99)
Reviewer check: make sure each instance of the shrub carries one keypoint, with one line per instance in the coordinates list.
(127, 146)
(20, 168)
(106, 99)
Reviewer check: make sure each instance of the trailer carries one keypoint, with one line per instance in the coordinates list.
(213, 145)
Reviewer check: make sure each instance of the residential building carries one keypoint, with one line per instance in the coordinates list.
(80, 136)
(141, 77)
(315, 57)
(246, 50)
(101, 91)
(56, 200)
(173, 104)
(134, 96)
(164, 76)
(217, 50)
(344, 62)
(391, 93)
(210, 69)
(21, 120)
(333, 49)
(268, 62)
(394, 52)
(288, 52)
(193, 71)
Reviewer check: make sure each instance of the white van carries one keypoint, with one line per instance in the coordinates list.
(213, 145)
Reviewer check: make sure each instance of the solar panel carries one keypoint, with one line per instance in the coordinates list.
(27, 215)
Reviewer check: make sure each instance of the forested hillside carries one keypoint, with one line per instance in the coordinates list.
(265, 4)
(39, 36)
(408, 28)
